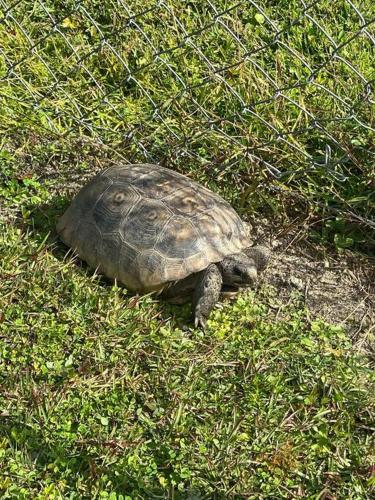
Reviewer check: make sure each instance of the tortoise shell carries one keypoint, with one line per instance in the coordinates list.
(146, 226)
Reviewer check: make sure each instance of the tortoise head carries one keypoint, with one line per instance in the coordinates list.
(242, 269)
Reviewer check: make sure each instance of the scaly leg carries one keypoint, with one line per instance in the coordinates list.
(206, 294)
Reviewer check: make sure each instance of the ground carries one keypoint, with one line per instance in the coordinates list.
(108, 395)
(335, 286)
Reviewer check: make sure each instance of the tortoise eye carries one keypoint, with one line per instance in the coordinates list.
(238, 271)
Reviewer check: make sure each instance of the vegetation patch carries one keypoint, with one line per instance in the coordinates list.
(106, 395)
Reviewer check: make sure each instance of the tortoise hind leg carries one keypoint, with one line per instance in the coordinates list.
(206, 294)
(180, 292)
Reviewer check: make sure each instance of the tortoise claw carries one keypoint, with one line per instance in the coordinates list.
(199, 321)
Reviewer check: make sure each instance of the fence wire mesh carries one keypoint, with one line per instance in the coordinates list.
(280, 90)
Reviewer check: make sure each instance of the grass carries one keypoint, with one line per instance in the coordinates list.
(103, 395)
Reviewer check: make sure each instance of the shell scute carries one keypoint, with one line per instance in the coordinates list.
(113, 205)
(145, 223)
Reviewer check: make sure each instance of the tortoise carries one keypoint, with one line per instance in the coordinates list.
(155, 230)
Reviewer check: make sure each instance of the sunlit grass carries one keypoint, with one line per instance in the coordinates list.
(104, 395)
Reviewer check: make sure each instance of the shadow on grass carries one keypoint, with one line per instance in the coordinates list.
(42, 227)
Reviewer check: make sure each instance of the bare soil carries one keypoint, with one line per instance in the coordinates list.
(336, 287)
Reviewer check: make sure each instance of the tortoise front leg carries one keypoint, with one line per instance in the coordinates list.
(206, 294)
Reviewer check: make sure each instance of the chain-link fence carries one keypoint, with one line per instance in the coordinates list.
(279, 90)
